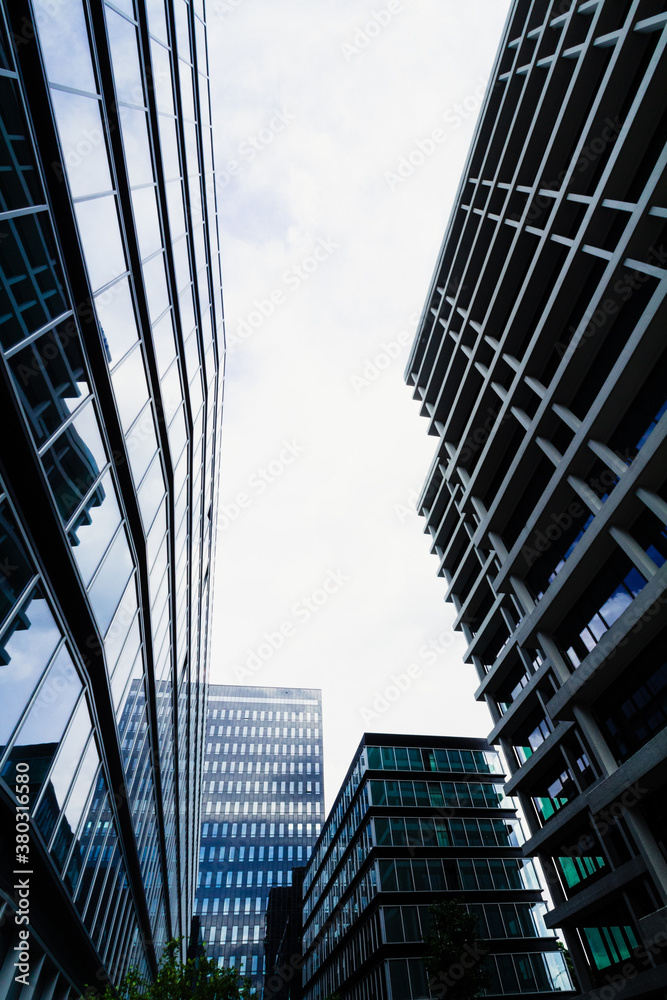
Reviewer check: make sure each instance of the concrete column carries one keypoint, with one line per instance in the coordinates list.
(551, 649)
(595, 739)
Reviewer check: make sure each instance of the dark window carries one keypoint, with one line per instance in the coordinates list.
(602, 603)
(634, 709)
(643, 413)
(392, 923)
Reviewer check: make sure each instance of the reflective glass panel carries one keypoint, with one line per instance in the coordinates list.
(100, 235)
(156, 286)
(130, 387)
(26, 647)
(156, 19)
(50, 378)
(50, 712)
(187, 97)
(82, 786)
(111, 580)
(19, 183)
(12, 553)
(146, 221)
(142, 443)
(162, 78)
(31, 289)
(60, 777)
(117, 319)
(151, 492)
(156, 534)
(174, 191)
(137, 147)
(172, 394)
(163, 341)
(130, 666)
(63, 37)
(94, 534)
(187, 312)
(182, 29)
(72, 465)
(115, 637)
(181, 254)
(125, 58)
(200, 35)
(82, 138)
(177, 431)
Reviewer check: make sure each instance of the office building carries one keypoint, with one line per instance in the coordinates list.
(420, 819)
(262, 810)
(540, 363)
(109, 405)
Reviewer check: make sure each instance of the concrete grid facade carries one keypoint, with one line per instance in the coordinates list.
(262, 810)
(110, 401)
(540, 363)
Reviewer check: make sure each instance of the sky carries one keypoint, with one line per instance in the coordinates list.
(342, 130)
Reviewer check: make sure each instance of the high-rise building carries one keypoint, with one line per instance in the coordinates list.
(109, 405)
(262, 810)
(420, 820)
(541, 363)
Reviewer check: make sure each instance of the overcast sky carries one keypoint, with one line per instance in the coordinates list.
(341, 133)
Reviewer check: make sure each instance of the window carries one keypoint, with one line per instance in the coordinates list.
(609, 945)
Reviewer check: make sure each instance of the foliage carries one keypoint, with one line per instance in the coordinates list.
(454, 956)
(568, 962)
(196, 979)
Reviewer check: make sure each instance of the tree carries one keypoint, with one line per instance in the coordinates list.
(454, 954)
(568, 962)
(198, 978)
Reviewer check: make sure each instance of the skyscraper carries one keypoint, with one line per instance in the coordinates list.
(111, 389)
(541, 362)
(262, 811)
(419, 820)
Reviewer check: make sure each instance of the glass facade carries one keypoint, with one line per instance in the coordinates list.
(540, 363)
(262, 810)
(392, 846)
(111, 366)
